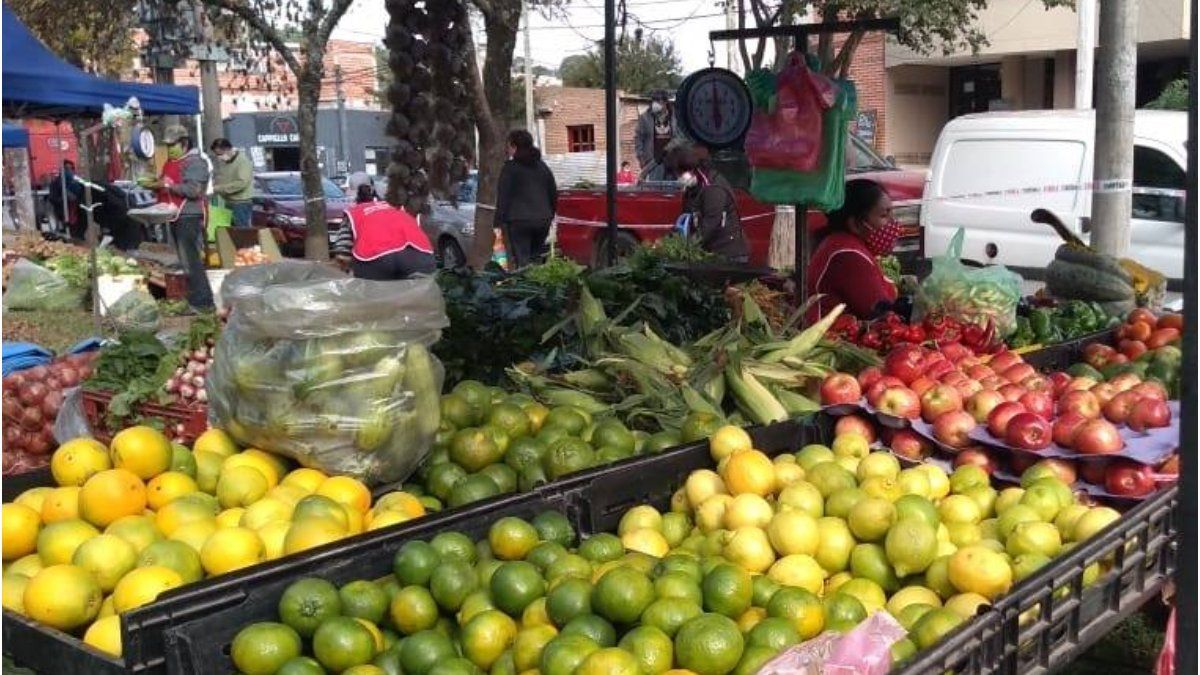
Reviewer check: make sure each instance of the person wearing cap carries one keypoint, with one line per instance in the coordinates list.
(233, 180)
(380, 242)
(183, 183)
(655, 130)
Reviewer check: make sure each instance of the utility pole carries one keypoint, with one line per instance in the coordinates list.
(343, 151)
(1117, 77)
(530, 116)
(731, 45)
(211, 125)
(1085, 53)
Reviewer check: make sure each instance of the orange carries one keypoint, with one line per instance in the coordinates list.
(34, 497)
(241, 484)
(143, 450)
(21, 526)
(231, 549)
(346, 490)
(306, 479)
(105, 635)
(231, 517)
(56, 543)
(63, 597)
(107, 558)
(278, 463)
(273, 536)
(142, 586)
(265, 511)
(217, 442)
(112, 494)
(137, 530)
(402, 502)
(166, 487)
(749, 471)
(76, 461)
(195, 534)
(181, 512)
(385, 518)
(61, 504)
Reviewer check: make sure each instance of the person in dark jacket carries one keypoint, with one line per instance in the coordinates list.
(710, 201)
(526, 199)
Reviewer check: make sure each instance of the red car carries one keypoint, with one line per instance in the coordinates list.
(647, 213)
(279, 204)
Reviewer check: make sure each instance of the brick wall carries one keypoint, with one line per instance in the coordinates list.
(869, 74)
(563, 107)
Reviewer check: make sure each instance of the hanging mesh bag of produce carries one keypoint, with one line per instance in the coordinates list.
(975, 294)
(331, 371)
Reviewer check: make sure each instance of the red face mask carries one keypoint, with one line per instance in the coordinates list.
(881, 240)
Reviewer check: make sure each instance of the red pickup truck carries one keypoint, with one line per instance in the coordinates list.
(648, 212)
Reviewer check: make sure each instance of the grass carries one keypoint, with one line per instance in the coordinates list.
(59, 331)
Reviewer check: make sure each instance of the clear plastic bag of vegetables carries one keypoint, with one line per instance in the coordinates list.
(331, 371)
(32, 286)
(134, 310)
(965, 293)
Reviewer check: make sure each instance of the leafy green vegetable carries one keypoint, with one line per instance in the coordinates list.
(890, 265)
(557, 271)
(136, 367)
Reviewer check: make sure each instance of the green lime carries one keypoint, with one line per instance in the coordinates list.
(451, 583)
(669, 614)
(457, 411)
(753, 659)
(594, 628)
(182, 460)
(487, 636)
(870, 561)
(531, 477)
(676, 527)
(709, 644)
(844, 609)
(912, 545)
(174, 555)
(773, 632)
(443, 477)
(698, 426)
(512, 538)
(909, 616)
(364, 600)
(554, 526)
(567, 456)
(660, 441)
(678, 585)
(608, 455)
(728, 590)
(474, 448)
(903, 650)
(763, 589)
(524, 452)
(934, 625)
(570, 598)
(916, 506)
(457, 666)
(611, 433)
(511, 419)
(514, 585)
(307, 602)
(420, 652)
(415, 562)
(477, 396)
(303, 665)
(622, 594)
(413, 610)
(569, 419)
(570, 565)
(473, 604)
(602, 547)
(342, 642)
(869, 593)
(474, 488)
(651, 647)
(563, 654)
(802, 608)
(544, 554)
(263, 648)
(454, 546)
(504, 476)
(529, 644)
(609, 661)
(682, 563)
(842, 500)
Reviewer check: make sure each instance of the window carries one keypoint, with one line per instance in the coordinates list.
(581, 138)
(861, 157)
(1158, 186)
(289, 185)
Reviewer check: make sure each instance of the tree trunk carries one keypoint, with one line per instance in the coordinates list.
(491, 101)
(316, 238)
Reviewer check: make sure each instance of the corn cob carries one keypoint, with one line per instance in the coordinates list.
(588, 378)
(759, 404)
(795, 403)
(591, 312)
(644, 350)
(556, 396)
(678, 355)
(697, 402)
(806, 340)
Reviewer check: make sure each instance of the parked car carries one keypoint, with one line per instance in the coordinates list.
(279, 203)
(1016, 156)
(647, 212)
(451, 225)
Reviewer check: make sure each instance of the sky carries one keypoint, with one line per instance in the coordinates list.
(686, 22)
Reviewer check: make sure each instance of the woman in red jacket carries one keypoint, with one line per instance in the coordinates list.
(845, 266)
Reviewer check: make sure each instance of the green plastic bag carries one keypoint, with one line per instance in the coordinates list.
(825, 188)
(218, 216)
(973, 294)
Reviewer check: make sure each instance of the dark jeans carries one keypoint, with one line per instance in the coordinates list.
(395, 266)
(241, 213)
(188, 232)
(526, 241)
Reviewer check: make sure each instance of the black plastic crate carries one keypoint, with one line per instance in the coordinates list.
(1062, 355)
(13, 486)
(46, 651)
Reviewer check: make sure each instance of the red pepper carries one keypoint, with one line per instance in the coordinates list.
(916, 334)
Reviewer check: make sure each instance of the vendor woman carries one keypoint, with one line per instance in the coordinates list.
(845, 267)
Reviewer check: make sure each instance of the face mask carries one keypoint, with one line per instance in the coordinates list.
(880, 241)
(175, 151)
(227, 157)
(687, 179)
(656, 107)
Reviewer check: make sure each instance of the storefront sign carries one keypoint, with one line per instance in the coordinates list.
(276, 130)
(864, 126)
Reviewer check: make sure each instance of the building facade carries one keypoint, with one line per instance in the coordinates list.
(571, 131)
(273, 140)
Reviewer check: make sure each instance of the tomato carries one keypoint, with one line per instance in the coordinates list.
(1143, 315)
(1132, 348)
(1139, 330)
(1171, 320)
(1162, 337)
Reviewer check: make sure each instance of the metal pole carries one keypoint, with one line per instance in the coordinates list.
(1117, 76)
(1085, 53)
(343, 151)
(530, 124)
(610, 124)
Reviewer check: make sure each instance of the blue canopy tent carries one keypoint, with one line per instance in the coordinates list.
(15, 136)
(37, 83)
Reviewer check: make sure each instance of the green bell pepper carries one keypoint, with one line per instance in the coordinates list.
(1041, 322)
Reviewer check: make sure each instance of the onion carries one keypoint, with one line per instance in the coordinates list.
(53, 383)
(32, 418)
(200, 354)
(32, 394)
(37, 444)
(180, 429)
(202, 369)
(12, 408)
(37, 373)
(12, 435)
(198, 381)
(85, 372)
(202, 395)
(69, 376)
(14, 382)
(52, 403)
(48, 433)
(187, 390)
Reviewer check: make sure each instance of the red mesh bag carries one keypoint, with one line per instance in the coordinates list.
(789, 137)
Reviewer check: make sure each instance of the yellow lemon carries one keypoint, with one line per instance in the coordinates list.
(28, 565)
(788, 472)
(107, 558)
(208, 470)
(749, 548)
(167, 487)
(701, 485)
(748, 510)
(142, 586)
(244, 459)
(310, 533)
(139, 531)
(265, 511)
(241, 484)
(195, 534)
(386, 518)
(749, 471)
(113, 494)
(710, 514)
(105, 635)
(305, 479)
(14, 586)
(231, 549)
(33, 498)
(728, 440)
(277, 463)
(56, 543)
(143, 450)
(646, 540)
(794, 532)
(230, 517)
(78, 460)
(21, 525)
(182, 512)
(63, 597)
(273, 536)
(217, 442)
(106, 608)
(346, 490)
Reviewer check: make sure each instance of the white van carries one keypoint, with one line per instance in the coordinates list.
(990, 170)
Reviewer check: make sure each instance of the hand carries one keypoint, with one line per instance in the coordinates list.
(148, 182)
(343, 262)
(908, 284)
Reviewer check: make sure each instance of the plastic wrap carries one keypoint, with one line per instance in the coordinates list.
(71, 422)
(331, 371)
(867, 649)
(973, 294)
(135, 310)
(31, 286)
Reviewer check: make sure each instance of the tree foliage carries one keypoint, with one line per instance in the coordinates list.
(643, 65)
(96, 35)
(1174, 96)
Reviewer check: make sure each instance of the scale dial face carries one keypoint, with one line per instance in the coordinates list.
(143, 142)
(717, 107)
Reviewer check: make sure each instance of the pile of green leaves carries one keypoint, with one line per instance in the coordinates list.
(71, 267)
(135, 367)
(674, 248)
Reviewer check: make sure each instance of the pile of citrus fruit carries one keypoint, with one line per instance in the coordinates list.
(143, 516)
(493, 442)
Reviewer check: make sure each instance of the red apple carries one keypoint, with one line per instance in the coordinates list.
(954, 377)
(979, 372)
(1125, 381)
(1002, 361)
(1039, 403)
(921, 385)
(905, 362)
(1019, 462)
(1093, 471)
(840, 388)
(967, 361)
(1104, 392)
(1059, 381)
(968, 389)
(1018, 372)
(1129, 479)
(998, 419)
(938, 399)
(976, 457)
(1150, 389)
(1118, 407)
(993, 382)
(938, 368)
(1081, 383)
(1098, 354)
(1098, 437)
(1037, 383)
(900, 402)
(879, 386)
(1147, 413)
(908, 443)
(1079, 401)
(855, 424)
(953, 427)
(982, 403)
(1028, 432)
(868, 376)
(1012, 392)
(1066, 426)
(1064, 469)
(956, 351)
